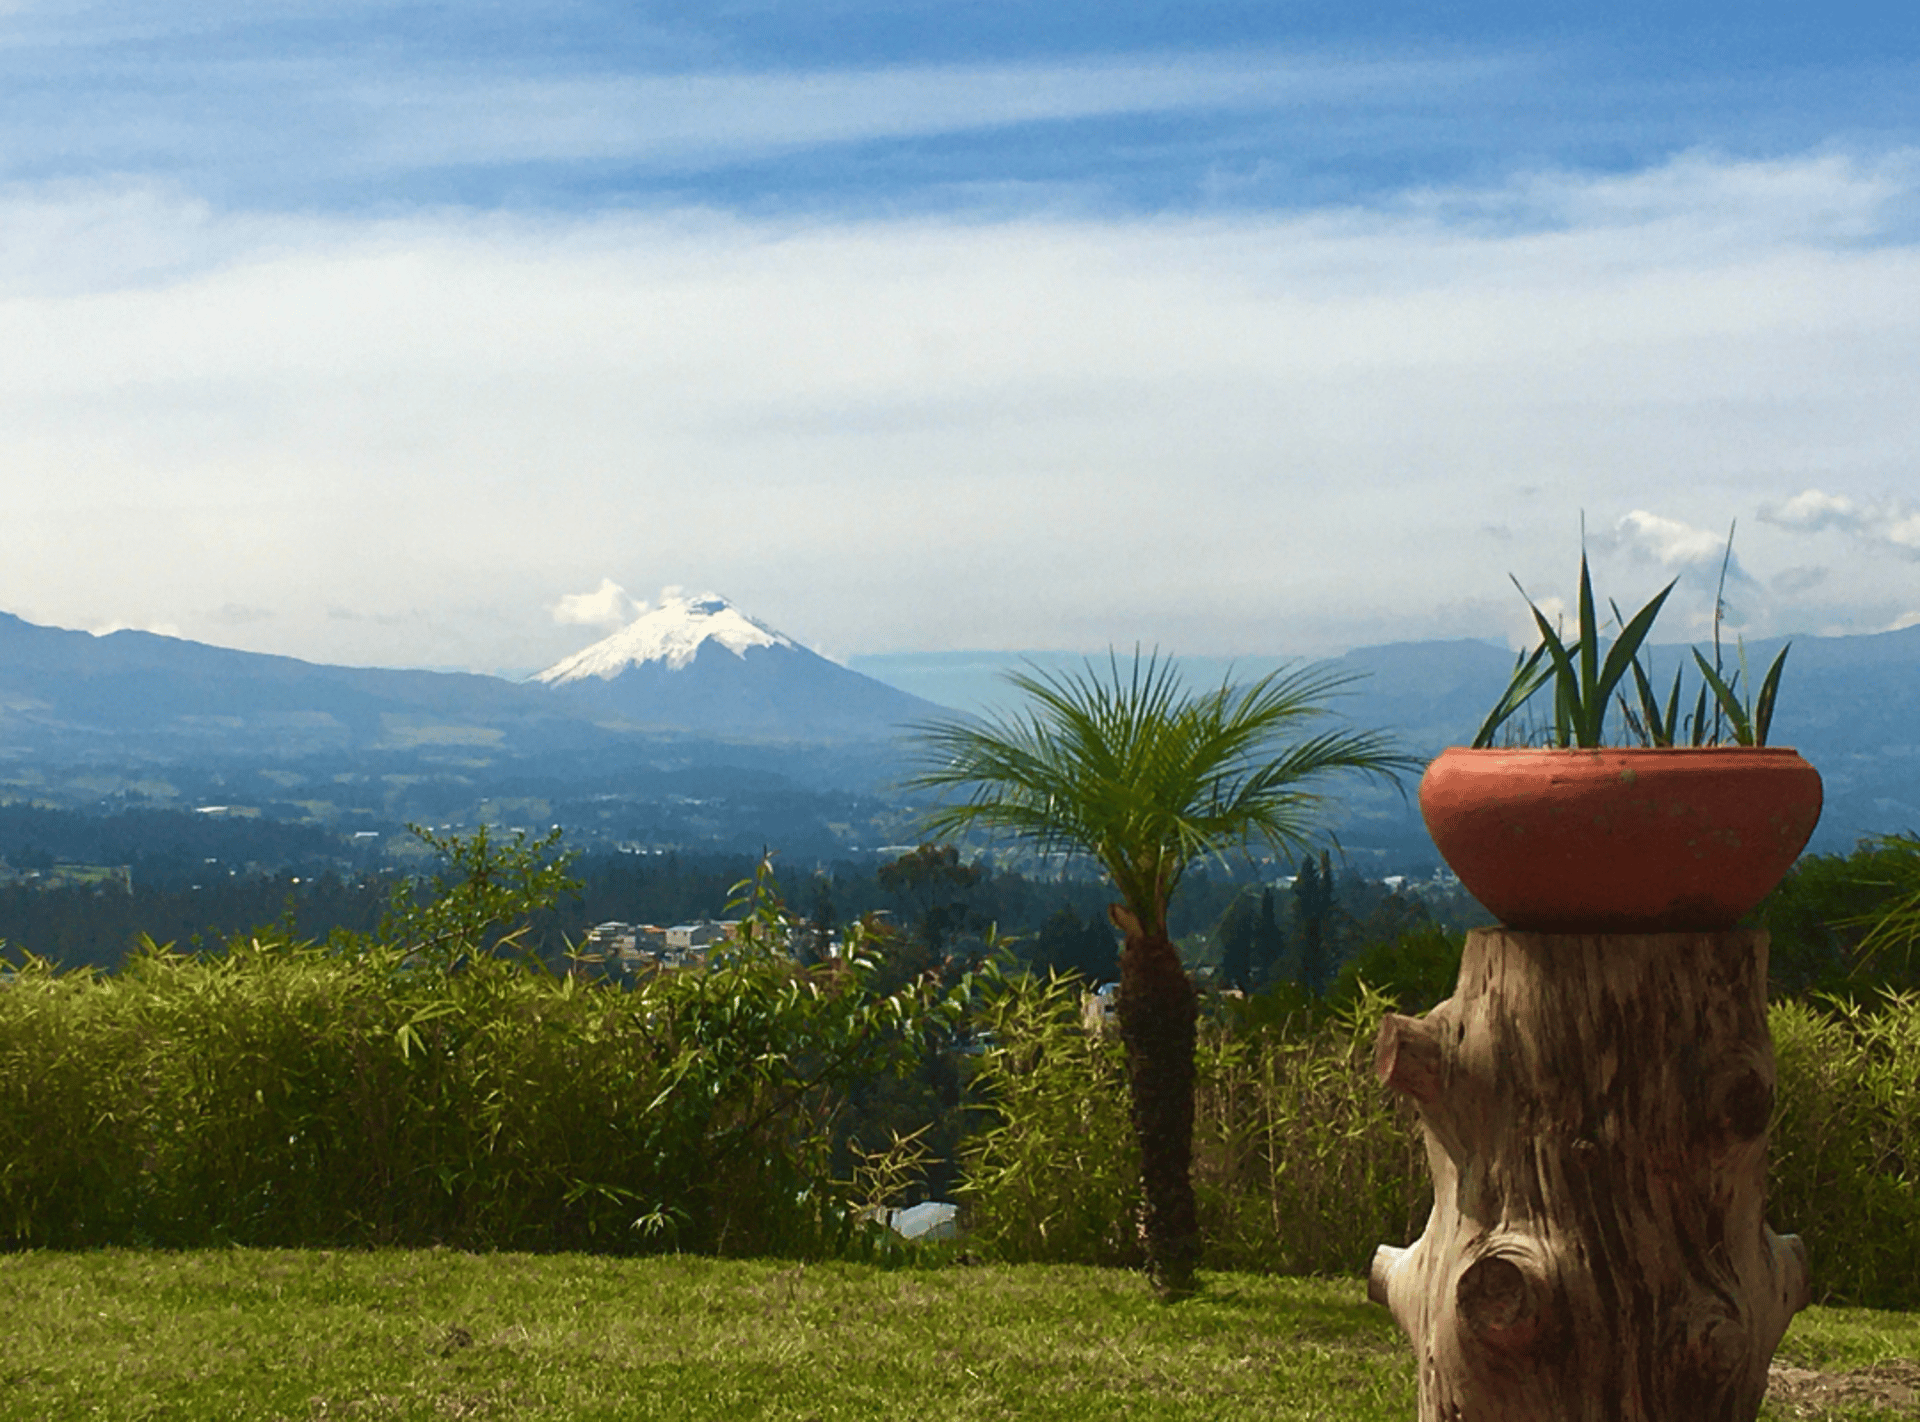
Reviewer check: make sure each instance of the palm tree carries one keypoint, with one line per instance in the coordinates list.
(1147, 778)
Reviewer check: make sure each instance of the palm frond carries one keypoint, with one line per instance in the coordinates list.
(1142, 774)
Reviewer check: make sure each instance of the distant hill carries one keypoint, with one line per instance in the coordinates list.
(1851, 705)
(697, 724)
(778, 746)
(67, 694)
(682, 671)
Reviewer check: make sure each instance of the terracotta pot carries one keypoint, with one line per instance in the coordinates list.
(1622, 840)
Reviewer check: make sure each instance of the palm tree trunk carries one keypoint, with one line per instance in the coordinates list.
(1158, 1010)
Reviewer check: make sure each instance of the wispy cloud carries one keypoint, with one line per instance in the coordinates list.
(302, 107)
(682, 118)
(311, 121)
(1701, 203)
(235, 614)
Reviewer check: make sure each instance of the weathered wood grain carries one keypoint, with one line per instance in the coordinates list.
(1596, 1111)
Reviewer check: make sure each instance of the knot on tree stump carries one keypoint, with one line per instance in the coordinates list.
(1745, 1105)
(1501, 1300)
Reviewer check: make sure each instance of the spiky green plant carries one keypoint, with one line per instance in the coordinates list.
(1147, 777)
(1750, 722)
(1583, 682)
(1892, 866)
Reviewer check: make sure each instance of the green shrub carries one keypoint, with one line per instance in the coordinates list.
(1302, 1164)
(72, 1083)
(1055, 1177)
(1415, 969)
(433, 1085)
(436, 1087)
(1845, 1150)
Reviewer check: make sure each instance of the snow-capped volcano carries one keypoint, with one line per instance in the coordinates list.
(671, 633)
(701, 664)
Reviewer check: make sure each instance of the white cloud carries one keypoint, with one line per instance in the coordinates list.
(1670, 542)
(606, 606)
(1889, 523)
(1268, 433)
(159, 629)
(1701, 203)
(1812, 510)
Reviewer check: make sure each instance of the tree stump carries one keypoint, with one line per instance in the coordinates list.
(1596, 1111)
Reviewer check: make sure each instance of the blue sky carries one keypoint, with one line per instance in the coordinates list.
(390, 333)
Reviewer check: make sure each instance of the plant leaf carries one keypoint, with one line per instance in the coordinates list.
(1621, 655)
(1654, 728)
(1769, 691)
(1566, 689)
(1728, 699)
(1589, 709)
(1528, 677)
(1144, 776)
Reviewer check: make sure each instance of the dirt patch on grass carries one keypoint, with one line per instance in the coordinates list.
(1892, 1387)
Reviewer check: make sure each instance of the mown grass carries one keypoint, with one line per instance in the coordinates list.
(434, 1334)
(1850, 1338)
(246, 1334)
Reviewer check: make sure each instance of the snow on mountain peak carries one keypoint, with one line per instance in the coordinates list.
(672, 633)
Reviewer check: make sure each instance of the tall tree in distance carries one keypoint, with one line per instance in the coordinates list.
(1068, 944)
(1269, 941)
(1146, 777)
(933, 881)
(1312, 910)
(1235, 934)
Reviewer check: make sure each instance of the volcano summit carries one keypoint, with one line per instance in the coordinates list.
(701, 664)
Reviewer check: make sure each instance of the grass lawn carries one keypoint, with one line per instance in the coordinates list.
(245, 1334)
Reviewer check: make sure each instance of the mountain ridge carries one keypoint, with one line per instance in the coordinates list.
(79, 712)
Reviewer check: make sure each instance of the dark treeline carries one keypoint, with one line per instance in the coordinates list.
(198, 880)
(166, 849)
(217, 879)
(96, 927)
